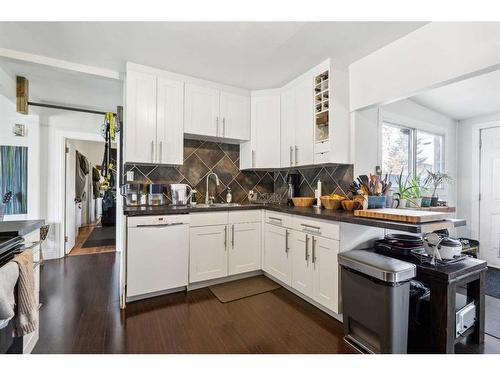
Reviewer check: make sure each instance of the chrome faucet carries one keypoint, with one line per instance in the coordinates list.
(211, 199)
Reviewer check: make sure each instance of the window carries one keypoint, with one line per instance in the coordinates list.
(411, 150)
(396, 149)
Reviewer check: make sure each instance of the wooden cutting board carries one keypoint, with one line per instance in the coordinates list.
(406, 216)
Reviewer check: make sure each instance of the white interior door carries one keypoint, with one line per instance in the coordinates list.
(70, 217)
(489, 207)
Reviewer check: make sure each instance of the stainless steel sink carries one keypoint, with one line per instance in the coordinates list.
(215, 205)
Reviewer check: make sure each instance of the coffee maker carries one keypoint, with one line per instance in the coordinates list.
(293, 183)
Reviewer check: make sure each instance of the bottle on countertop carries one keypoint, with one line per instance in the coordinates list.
(229, 196)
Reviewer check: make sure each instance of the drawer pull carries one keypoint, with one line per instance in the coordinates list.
(307, 247)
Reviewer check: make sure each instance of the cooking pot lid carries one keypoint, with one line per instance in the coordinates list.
(451, 242)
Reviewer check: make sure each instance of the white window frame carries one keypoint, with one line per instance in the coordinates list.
(414, 128)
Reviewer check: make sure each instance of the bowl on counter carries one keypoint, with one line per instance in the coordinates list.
(351, 205)
(331, 203)
(303, 201)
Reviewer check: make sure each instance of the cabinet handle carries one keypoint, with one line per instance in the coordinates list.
(307, 247)
(296, 155)
(152, 151)
(253, 158)
(291, 156)
(313, 250)
(217, 122)
(225, 237)
(223, 126)
(286, 241)
(232, 236)
(157, 225)
(160, 151)
(311, 227)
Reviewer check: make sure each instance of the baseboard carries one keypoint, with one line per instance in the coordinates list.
(154, 294)
(333, 314)
(207, 283)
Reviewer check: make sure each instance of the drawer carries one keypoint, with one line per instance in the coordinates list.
(321, 158)
(322, 147)
(245, 216)
(279, 219)
(318, 227)
(199, 219)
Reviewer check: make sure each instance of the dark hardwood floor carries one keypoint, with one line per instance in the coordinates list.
(80, 314)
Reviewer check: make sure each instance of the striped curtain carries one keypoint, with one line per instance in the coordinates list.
(14, 178)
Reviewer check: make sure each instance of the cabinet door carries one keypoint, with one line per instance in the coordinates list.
(169, 122)
(266, 125)
(288, 128)
(235, 116)
(244, 248)
(208, 253)
(277, 261)
(302, 268)
(304, 122)
(201, 111)
(140, 118)
(326, 280)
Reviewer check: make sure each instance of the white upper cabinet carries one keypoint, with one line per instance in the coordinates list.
(201, 111)
(288, 120)
(234, 116)
(169, 121)
(154, 119)
(297, 123)
(263, 151)
(304, 122)
(140, 117)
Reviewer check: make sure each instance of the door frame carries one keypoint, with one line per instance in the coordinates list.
(60, 153)
(486, 126)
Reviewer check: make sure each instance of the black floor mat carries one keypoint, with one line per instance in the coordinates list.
(493, 282)
(101, 236)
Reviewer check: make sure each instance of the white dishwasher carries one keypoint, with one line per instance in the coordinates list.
(157, 255)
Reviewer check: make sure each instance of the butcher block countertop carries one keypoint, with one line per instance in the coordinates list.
(318, 213)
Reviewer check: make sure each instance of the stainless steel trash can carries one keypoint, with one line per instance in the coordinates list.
(375, 299)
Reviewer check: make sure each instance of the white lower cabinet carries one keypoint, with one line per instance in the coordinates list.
(244, 248)
(222, 244)
(208, 253)
(315, 268)
(302, 267)
(277, 258)
(325, 279)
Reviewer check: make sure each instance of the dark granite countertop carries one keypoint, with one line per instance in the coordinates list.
(20, 227)
(319, 213)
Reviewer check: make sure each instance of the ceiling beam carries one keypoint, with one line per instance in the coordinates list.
(60, 64)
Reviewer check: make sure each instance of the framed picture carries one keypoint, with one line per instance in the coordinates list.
(14, 178)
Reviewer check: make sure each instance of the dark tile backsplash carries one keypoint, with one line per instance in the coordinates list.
(202, 157)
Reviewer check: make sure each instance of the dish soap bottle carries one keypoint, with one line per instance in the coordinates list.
(229, 196)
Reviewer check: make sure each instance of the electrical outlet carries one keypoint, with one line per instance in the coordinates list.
(130, 176)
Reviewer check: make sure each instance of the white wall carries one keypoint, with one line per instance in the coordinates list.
(56, 127)
(468, 166)
(9, 117)
(431, 56)
(367, 136)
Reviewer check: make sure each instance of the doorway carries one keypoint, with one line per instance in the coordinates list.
(489, 205)
(88, 227)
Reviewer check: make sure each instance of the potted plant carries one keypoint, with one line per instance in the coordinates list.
(403, 193)
(414, 192)
(436, 179)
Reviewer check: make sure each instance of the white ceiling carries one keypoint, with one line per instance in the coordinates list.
(469, 98)
(253, 55)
